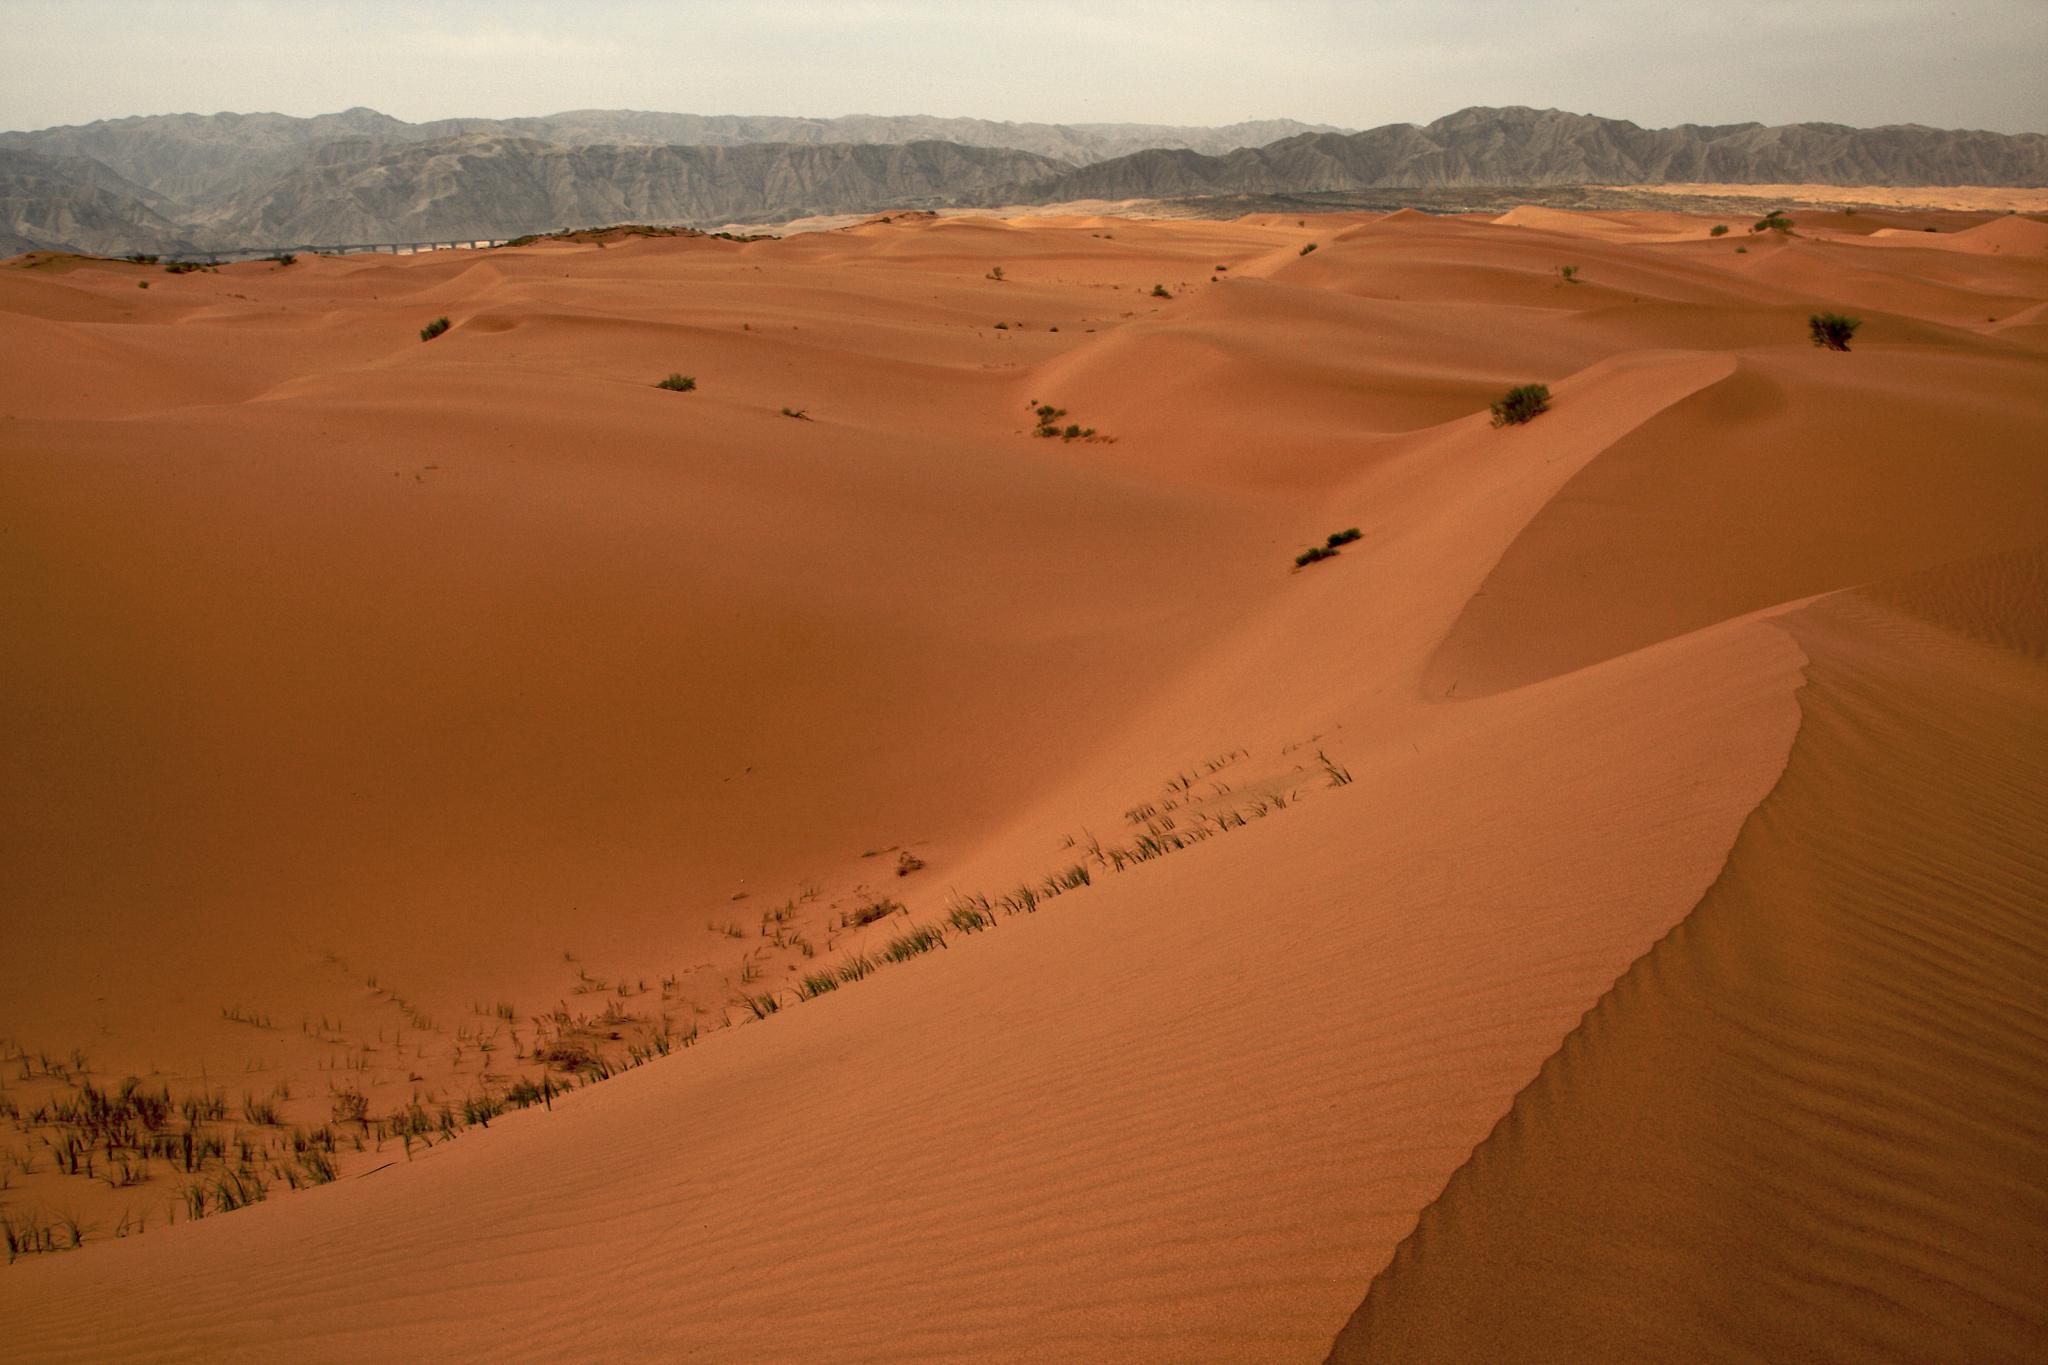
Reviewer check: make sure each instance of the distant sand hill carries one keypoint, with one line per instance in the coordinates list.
(885, 850)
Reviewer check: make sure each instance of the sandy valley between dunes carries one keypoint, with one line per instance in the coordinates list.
(1599, 914)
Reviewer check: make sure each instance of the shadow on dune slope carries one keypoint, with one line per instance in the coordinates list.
(1811, 1122)
(1802, 473)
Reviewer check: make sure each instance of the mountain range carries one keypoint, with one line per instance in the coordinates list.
(189, 182)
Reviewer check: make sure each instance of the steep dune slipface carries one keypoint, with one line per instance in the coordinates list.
(1803, 472)
(1810, 1122)
(452, 700)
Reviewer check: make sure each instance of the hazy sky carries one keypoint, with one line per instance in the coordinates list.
(1949, 63)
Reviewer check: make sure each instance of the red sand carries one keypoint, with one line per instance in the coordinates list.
(398, 696)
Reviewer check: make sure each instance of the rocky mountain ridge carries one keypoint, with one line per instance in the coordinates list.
(228, 181)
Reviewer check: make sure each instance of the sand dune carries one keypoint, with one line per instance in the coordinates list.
(1809, 1122)
(408, 720)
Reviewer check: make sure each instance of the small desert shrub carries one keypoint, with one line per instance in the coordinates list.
(142, 258)
(869, 913)
(907, 863)
(1832, 330)
(1521, 403)
(1570, 273)
(1304, 251)
(1315, 554)
(1742, 251)
(1718, 230)
(285, 258)
(1159, 292)
(1049, 425)
(995, 272)
(1774, 221)
(183, 267)
(678, 383)
(798, 413)
(434, 329)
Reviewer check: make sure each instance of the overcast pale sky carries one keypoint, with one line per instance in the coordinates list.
(1948, 63)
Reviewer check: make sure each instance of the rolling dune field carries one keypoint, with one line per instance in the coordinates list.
(885, 854)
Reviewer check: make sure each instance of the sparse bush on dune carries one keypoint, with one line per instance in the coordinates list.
(1315, 554)
(1832, 330)
(434, 329)
(1304, 251)
(678, 383)
(1569, 273)
(1159, 291)
(1049, 425)
(1521, 403)
(880, 908)
(1774, 221)
(1718, 230)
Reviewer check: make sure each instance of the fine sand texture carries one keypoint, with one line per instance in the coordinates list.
(507, 860)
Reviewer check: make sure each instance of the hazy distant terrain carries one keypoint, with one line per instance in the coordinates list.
(186, 181)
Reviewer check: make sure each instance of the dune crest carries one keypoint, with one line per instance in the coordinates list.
(1808, 1122)
(868, 698)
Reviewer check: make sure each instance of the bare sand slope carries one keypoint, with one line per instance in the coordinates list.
(1809, 1124)
(1795, 475)
(1169, 1116)
(406, 721)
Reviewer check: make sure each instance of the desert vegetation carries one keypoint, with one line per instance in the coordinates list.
(1832, 331)
(1329, 549)
(678, 383)
(1048, 425)
(434, 329)
(1520, 404)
